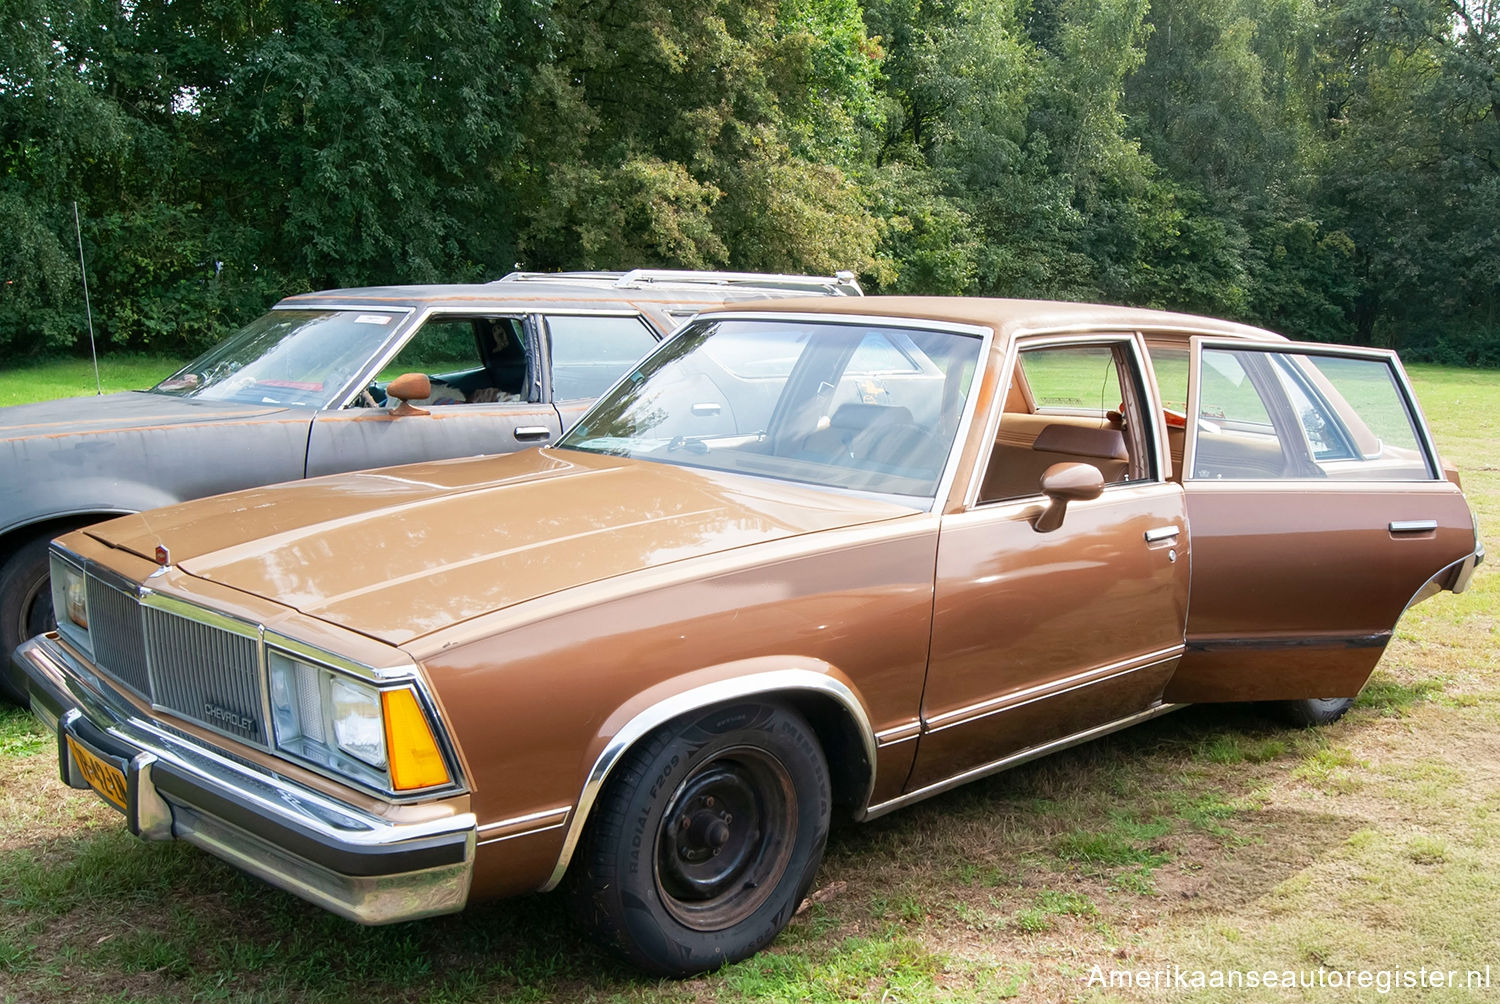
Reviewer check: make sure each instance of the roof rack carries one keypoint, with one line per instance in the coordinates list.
(840, 283)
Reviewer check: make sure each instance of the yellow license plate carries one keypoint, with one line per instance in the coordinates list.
(104, 777)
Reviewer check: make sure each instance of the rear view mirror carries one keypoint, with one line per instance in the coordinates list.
(1064, 483)
(406, 388)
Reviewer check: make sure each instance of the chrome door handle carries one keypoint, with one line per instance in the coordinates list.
(533, 432)
(1161, 533)
(1413, 525)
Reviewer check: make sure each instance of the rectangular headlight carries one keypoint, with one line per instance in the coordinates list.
(70, 603)
(357, 726)
(349, 726)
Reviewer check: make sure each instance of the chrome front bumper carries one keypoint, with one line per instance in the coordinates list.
(360, 866)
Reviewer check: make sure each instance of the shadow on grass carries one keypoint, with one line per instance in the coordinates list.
(1121, 822)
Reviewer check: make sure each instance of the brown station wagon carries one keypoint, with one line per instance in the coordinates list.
(809, 557)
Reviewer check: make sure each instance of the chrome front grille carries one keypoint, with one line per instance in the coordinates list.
(118, 635)
(195, 670)
(206, 674)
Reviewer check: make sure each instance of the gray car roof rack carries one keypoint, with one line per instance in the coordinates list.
(839, 284)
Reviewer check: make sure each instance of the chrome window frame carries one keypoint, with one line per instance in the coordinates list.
(415, 318)
(544, 325)
(944, 485)
(1401, 381)
(402, 319)
(1041, 339)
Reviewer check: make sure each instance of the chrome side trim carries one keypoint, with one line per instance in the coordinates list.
(1015, 760)
(523, 826)
(1413, 525)
(1054, 688)
(1430, 486)
(898, 734)
(759, 684)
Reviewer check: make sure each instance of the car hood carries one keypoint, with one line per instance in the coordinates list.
(82, 416)
(405, 551)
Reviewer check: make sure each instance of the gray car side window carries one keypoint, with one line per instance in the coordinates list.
(591, 351)
(470, 360)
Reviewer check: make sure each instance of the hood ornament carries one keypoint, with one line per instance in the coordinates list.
(163, 556)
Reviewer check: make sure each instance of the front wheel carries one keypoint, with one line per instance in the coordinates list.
(706, 839)
(25, 602)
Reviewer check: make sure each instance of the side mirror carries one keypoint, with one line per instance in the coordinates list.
(1064, 483)
(406, 388)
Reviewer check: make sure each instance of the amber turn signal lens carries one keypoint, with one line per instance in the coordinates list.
(415, 760)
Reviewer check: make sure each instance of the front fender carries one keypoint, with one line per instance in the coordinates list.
(682, 695)
(49, 499)
(115, 470)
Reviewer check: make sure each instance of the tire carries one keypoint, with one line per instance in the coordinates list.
(705, 839)
(1314, 710)
(25, 604)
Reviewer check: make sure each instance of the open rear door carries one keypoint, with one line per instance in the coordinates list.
(1318, 512)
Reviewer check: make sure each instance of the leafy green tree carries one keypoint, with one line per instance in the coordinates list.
(1413, 171)
(684, 133)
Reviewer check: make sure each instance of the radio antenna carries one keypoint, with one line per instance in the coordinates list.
(88, 310)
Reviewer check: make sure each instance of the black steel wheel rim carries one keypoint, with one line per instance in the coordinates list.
(36, 610)
(725, 838)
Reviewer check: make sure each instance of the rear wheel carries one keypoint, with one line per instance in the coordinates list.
(706, 839)
(1314, 710)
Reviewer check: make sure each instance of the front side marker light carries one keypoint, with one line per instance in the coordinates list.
(415, 760)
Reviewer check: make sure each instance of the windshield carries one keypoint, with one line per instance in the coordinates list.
(868, 407)
(301, 358)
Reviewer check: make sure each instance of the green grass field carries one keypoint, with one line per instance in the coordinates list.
(75, 377)
(1211, 839)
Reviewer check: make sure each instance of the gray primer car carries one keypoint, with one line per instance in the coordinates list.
(302, 392)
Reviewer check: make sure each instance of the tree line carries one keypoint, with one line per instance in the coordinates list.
(1327, 168)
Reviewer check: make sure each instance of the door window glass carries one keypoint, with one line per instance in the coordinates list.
(1074, 413)
(1079, 378)
(1171, 368)
(470, 360)
(590, 352)
(1265, 414)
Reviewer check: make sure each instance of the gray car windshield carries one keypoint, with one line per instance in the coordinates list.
(845, 405)
(299, 358)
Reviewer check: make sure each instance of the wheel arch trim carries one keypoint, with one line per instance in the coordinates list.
(764, 684)
(28, 526)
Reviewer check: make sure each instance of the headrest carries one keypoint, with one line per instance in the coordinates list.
(1077, 441)
(855, 415)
